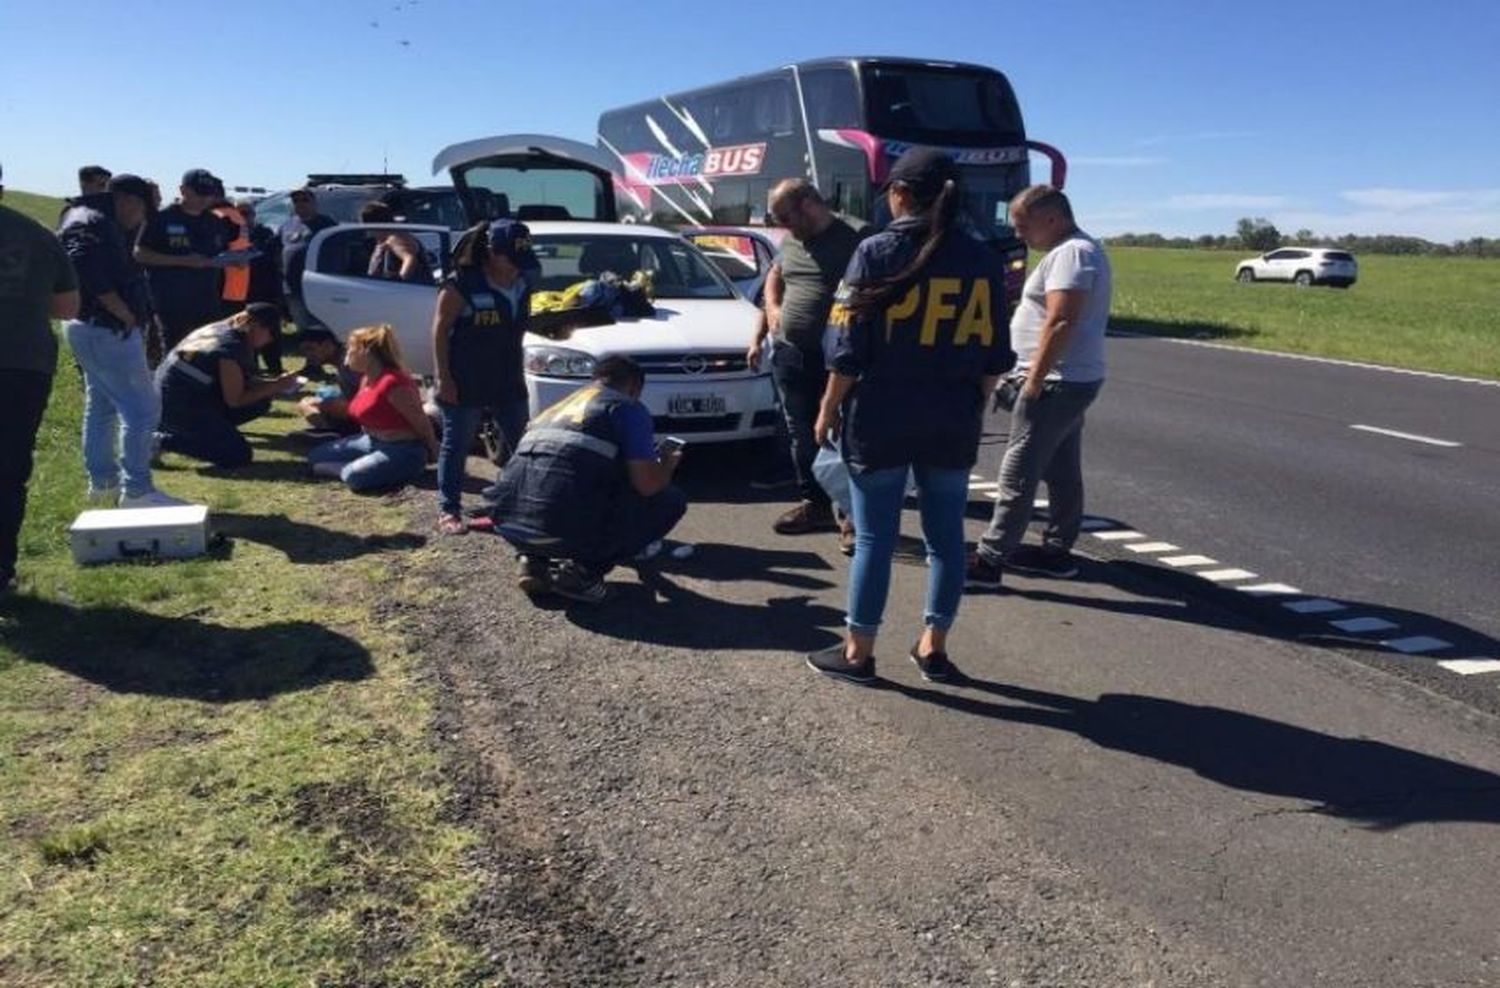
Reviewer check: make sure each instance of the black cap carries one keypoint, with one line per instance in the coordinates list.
(201, 181)
(266, 314)
(923, 170)
(132, 185)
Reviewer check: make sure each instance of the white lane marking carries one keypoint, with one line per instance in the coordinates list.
(1119, 536)
(983, 485)
(1417, 644)
(1362, 624)
(1267, 589)
(1151, 547)
(1041, 502)
(1434, 375)
(1094, 524)
(1411, 436)
(1189, 561)
(1315, 606)
(975, 476)
(1468, 667)
(992, 495)
(1225, 575)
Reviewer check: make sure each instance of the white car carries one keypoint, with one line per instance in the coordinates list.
(692, 350)
(1302, 266)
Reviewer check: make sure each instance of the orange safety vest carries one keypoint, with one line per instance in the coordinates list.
(236, 276)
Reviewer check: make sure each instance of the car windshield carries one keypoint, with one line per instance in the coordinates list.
(677, 268)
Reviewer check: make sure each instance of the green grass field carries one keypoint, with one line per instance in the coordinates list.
(1440, 314)
(43, 209)
(221, 771)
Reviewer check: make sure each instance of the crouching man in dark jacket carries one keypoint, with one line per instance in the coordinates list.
(586, 488)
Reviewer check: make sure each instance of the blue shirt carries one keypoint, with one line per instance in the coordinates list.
(635, 431)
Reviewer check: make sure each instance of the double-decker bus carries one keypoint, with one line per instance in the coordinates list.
(711, 155)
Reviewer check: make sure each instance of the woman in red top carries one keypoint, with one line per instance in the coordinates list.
(396, 439)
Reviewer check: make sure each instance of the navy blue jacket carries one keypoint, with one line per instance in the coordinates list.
(485, 355)
(919, 364)
(101, 254)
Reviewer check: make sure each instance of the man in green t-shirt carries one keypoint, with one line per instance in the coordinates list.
(37, 285)
(799, 294)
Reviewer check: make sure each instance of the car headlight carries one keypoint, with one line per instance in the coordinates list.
(554, 361)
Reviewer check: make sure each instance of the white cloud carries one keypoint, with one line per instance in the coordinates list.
(1197, 136)
(1118, 161)
(1404, 200)
(1223, 200)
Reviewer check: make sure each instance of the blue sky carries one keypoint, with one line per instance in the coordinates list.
(1177, 115)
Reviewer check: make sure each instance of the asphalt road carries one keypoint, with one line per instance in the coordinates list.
(1252, 461)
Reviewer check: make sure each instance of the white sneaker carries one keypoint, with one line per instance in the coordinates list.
(151, 499)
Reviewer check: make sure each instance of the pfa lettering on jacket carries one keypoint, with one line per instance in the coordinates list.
(963, 303)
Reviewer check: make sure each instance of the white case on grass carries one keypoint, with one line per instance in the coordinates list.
(177, 532)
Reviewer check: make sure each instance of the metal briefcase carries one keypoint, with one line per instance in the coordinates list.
(177, 532)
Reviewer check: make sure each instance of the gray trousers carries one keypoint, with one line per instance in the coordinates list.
(1046, 443)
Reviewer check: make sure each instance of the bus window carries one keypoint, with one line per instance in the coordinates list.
(832, 98)
(937, 105)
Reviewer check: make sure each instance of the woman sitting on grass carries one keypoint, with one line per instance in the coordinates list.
(396, 440)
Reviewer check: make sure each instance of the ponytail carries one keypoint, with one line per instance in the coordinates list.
(941, 215)
(473, 248)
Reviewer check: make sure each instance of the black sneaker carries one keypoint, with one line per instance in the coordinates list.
(935, 666)
(534, 575)
(831, 662)
(1042, 561)
(575, 582)
(981, 574)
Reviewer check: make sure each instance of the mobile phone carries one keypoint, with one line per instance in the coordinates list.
(671, 444)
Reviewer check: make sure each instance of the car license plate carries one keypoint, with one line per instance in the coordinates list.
(696, 405)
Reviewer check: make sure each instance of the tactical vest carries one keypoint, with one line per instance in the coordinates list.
(190, 374)
(558, 491)
(484, 347)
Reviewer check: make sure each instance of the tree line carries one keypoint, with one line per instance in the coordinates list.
(1260, 235)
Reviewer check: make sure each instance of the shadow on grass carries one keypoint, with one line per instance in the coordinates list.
(1379, 785)
(303, 543)
(130, 651)
(1178, 329)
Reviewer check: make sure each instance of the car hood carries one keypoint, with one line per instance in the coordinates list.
(680, 325)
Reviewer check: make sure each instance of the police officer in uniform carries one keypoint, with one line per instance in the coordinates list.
(208, 387)
(476, 348)
(586, 488)
(177, 247)
(924, 345)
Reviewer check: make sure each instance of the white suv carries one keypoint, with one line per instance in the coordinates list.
(1301, 265)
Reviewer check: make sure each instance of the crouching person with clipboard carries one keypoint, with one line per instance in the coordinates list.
(588, 488)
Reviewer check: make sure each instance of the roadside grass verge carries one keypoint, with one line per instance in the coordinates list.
(43, 209)
(219, 771)
(1425, 313)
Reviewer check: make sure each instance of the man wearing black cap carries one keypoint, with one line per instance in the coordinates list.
(177, 247)
(295, 234)
(108, 341)
(37, 284)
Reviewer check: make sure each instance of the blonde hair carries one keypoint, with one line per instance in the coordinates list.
(380, 341)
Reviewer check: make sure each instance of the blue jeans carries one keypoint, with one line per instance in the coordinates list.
(120, 406)
(460, 426)
(876, 497)
(373, 465)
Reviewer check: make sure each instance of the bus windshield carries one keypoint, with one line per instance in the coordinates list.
(923, 104)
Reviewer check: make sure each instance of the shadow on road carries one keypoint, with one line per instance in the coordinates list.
(1179, 596)
(1177, 328)
(130, 651)
(1380, 785)
(663, 612)
(303, 543)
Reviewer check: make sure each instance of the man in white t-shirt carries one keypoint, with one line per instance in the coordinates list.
(1058, 335)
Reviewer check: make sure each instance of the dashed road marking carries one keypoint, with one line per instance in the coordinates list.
(1225, 575)
(1151, 547)
(1417, 644)
(1360, 625)
(1409, 436)
(1119, 535)
(1268, 589)
(1317, 605)
(1468, 667)
(1180, 561)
